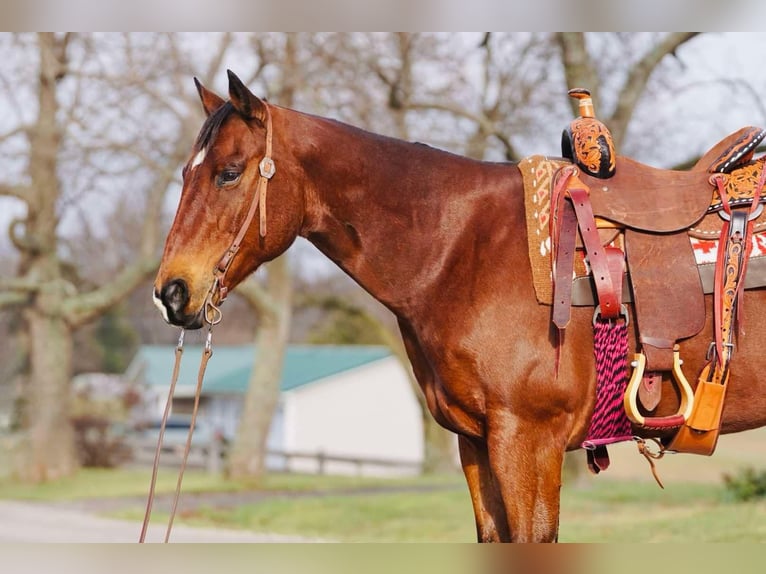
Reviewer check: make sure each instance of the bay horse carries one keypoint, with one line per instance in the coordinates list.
(440, 240)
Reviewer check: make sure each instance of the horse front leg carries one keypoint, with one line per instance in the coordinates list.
(526, 458)
(488, 508)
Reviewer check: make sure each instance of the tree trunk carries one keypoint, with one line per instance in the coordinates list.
(248, 452)
(439, 455)
(438, 443)
(49, 449)
(49, 453)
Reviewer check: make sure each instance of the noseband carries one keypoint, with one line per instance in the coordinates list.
(267, 169)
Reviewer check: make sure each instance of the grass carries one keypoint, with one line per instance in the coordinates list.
(605, 511)
(105, 483)
(618, 511)
(109, 483)
(441, 516)
(601, 510)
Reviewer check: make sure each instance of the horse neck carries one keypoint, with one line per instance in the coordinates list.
(391, 213)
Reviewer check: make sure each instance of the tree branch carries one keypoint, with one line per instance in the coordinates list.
(269, 301)
(18, 191)
(87, 306)
(215, 63)
(10, 299)
(257, 297)
(21, 129)
(484, 123)
(578, 66)
(21, 241)
(638, 77)
(19, 284)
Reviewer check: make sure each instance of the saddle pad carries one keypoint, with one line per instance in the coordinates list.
(537, 172)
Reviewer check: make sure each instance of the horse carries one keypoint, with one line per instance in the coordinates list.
(440, 240)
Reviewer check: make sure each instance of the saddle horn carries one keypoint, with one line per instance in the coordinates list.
(587, 141)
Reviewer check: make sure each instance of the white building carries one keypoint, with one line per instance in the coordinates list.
(337, 402)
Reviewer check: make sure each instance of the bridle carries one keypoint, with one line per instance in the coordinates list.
(266, 169)
(212, 315)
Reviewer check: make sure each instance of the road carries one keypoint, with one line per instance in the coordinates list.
(39, 522)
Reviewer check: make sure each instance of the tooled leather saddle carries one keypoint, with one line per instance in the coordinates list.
(657, 211)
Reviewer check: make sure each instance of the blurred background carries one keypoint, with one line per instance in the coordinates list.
(94, 129)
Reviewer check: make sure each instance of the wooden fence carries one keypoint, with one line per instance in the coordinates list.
(318, 462)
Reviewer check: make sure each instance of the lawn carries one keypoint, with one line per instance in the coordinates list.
(613, 511)
(599, 509)
(435, 509)
(109, 483)
(620, 511)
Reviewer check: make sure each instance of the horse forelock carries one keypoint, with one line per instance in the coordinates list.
(212, 125)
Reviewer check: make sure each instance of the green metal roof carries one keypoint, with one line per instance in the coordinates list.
(228, 370)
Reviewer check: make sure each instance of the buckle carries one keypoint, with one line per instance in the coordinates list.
(623, 314)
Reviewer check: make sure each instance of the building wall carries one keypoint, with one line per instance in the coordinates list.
(369, 412)
(223, 412)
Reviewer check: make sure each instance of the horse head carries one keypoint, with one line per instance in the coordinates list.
(216, 241)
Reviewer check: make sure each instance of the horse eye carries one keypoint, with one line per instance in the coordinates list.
(228, 177)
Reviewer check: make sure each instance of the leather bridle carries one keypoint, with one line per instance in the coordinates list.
(266, 169)
(212, 315)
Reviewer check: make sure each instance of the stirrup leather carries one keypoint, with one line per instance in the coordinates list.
(630, 402)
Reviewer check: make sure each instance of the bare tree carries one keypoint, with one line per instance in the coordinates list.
(581, 71)
(64, 165)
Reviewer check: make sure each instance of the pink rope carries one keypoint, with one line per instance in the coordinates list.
(609, 422)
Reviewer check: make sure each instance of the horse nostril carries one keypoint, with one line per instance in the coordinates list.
(175, 295)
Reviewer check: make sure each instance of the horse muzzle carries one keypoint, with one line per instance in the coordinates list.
(172, 300)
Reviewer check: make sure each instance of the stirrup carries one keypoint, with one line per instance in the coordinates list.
(630, 401)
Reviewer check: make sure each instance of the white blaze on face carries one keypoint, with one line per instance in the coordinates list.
(199, 158)
(160, 306)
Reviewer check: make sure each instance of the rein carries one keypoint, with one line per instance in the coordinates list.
(212, 315)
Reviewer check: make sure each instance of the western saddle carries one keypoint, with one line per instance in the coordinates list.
(719, 197)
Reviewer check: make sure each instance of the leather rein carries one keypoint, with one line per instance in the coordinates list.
(212, 316)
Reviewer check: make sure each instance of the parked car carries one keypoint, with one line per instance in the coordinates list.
(176, 432)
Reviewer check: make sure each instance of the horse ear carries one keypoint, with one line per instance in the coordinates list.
(210, 101)
(243, 100)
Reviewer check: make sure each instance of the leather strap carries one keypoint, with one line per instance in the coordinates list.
(606, 263)
(597, 459)
(650, 391)
(156, 465)
(206, 354)
(700, 432)
(731, 266)
(266, 169)
(608, 295)
(564, 265)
